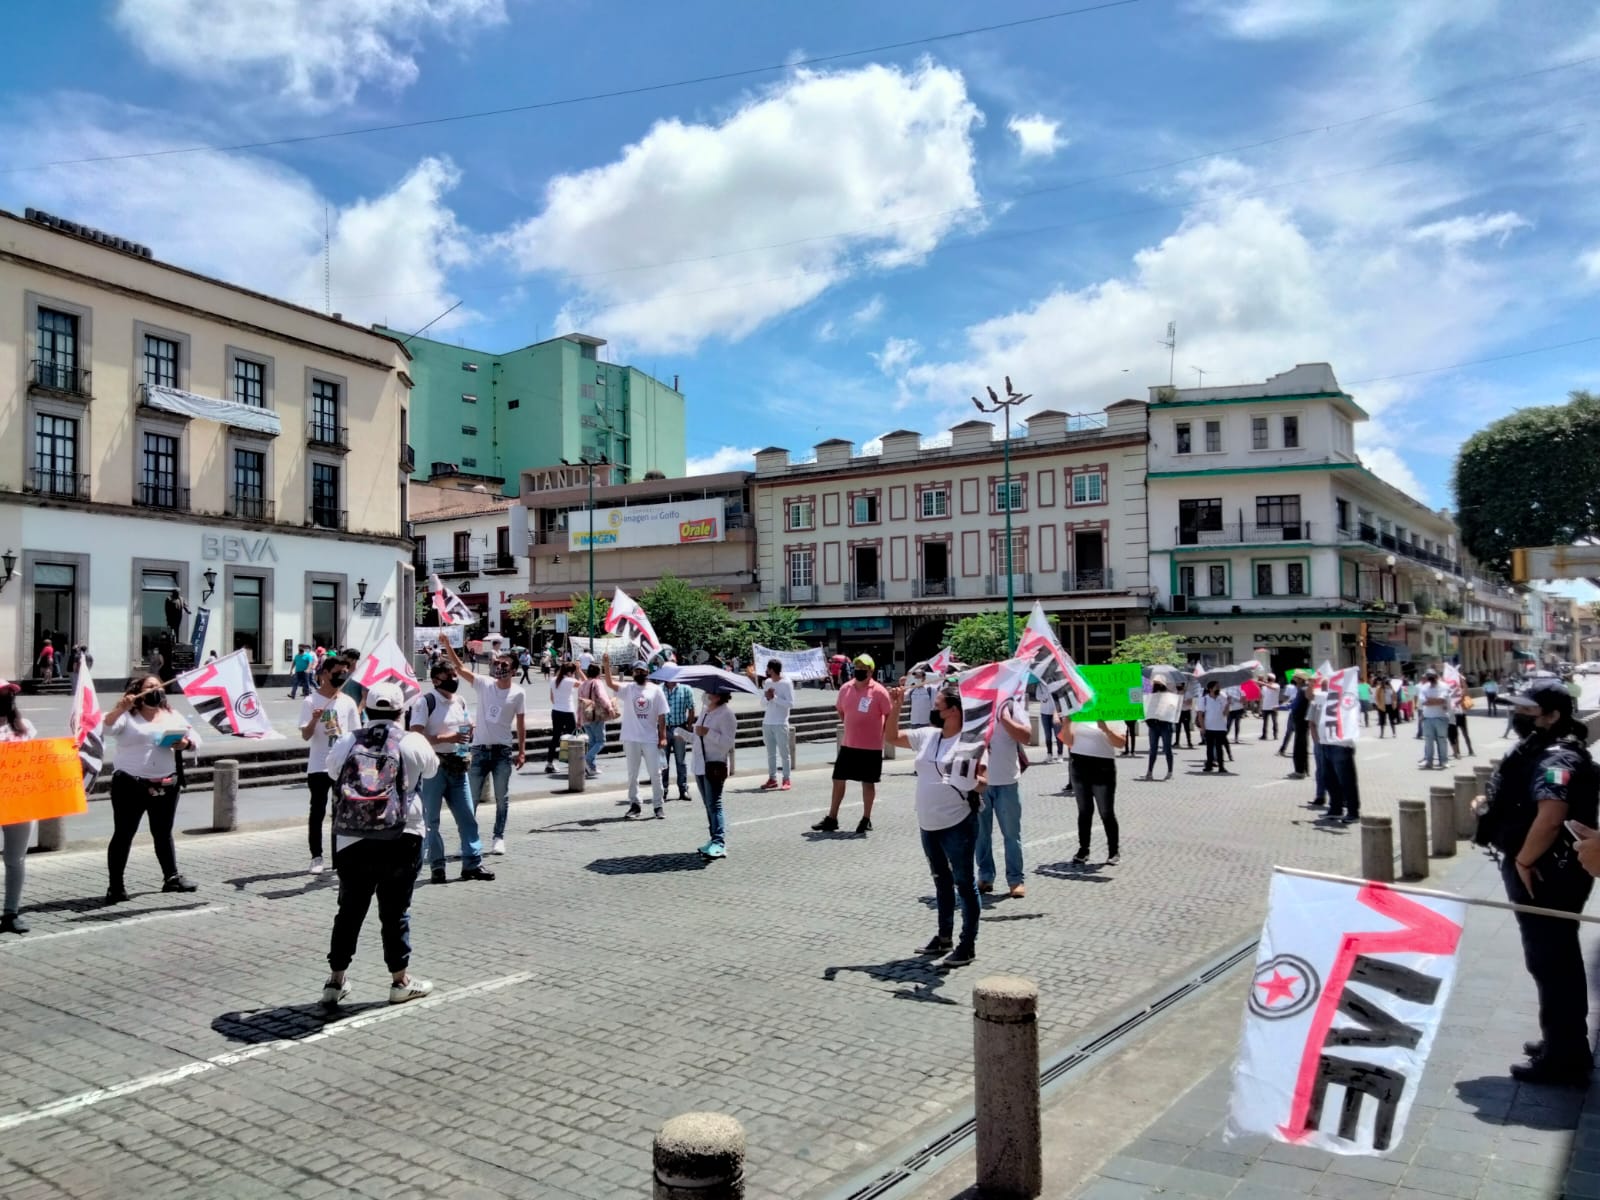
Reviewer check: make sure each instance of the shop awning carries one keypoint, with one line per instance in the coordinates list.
(224, 412)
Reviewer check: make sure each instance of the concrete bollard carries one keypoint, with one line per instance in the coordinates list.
(1005, 1049)
(889, 749)
(699, 1156)
(1465, 791)
(1442, 820)
(1480, 780)
(1035, 730)
(794, 758)
(225, 795)
(1414, 838)
(52, 834)
(574, 746)
(731, 754)
(1377, 849)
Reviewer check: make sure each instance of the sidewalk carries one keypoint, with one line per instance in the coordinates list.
(1111, 1133)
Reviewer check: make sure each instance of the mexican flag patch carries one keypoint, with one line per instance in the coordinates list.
(1559, 778)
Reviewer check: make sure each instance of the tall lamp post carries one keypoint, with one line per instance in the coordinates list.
(1010, 400)
(602, 425)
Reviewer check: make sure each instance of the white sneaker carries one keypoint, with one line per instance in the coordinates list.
(334, 994)
(411, 989)
(498, 847)
(316, 867)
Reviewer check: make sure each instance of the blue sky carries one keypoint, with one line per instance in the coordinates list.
(849, 248)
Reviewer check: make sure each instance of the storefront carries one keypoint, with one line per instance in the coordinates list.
(1284, 644)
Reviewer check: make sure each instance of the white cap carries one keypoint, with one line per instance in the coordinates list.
(386, 696)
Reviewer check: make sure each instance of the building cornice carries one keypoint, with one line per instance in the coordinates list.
(1321, 466)
(1169, 405)
(862, 467)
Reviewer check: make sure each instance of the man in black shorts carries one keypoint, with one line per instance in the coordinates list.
(863, 706)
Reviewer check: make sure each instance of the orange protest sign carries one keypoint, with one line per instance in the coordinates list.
(40, 779)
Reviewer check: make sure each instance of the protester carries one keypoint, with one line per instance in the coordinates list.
(1161, 731)
(499, 735)
(563, 711)
(1491, 693)
(1130, 737)
(1545, 779)
(377, 841)
(1002, 797)
(864, 709)
(144, 780)
(1316, 714)
(352, 686)
(947, 817)
(1299, 707)
(777, 699)
(644, 733)
(525, 661)
(714, 734)
(1460, 704)
(1434, 700)
(45, 668)
(1270, 696)
(325, 717)
(1338, 768)
(1236, 707)
(1185, 718)
(16, 837)
(440, 716)
(1388, 706)
(301, 669)
(586, 660)
(1092, 751)
(1214, 727)
(680, 724)
(919, 695)
(1047, 722)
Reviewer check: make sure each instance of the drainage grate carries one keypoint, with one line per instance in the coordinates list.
(915, 1168)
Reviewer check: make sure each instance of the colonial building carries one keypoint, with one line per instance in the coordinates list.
(464, 535)
(881, 551)
(188, 465)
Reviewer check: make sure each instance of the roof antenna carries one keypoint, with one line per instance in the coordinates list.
(1171, 343)
(327, 288)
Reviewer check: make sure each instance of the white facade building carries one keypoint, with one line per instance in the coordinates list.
(463, 535)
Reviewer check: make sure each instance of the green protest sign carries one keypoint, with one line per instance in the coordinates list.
(1118, 693)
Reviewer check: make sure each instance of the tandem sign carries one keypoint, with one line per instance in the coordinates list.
(647, 525)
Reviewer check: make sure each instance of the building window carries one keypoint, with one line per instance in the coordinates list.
(55, 455)
(155, 588)
(469, 366)
(935, 502)
(1185, 445)
(801, 568)
(514, 404)
(58, 351)
(802, 514)
(160, 361)
(1263, 579)
(1296, 576)
(864, 510)
(1019, 555)
(325, 496)
(1213, 437)
(1342, 508)
(1278, 512)
(1008, 497)
(249, 383)
(468, 398)
(470, 430)
(1258, 433)
(469, 462)
(1291, 433)
(586, 391)
(325, 610)
(1088, 488)
(1217, 580)
(249, 484)
(586, 351)
(1196, 517)
(247, 615)
(158, 484)
(325, 411)
(1186, 581)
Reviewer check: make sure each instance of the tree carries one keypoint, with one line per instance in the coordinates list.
(776, 629)
(578, 616)
(1530, 479)
(519, 623)
(1149, 649)
(686, 617)
(981, 637)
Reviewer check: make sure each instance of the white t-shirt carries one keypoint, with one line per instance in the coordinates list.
(1434, 699)
(498, 710)
(448, 716)
(1215, 709)
(641, 704)
(585, 661)
(561, 695)
(921, 704)
(139, 751)
(339, 717)
(778, 697)
(1047, 702)
(1269, 696)
(722, 730)
(941, 801)
(1003, 765)
(417, 762)
(8, 734)
(1090, 741)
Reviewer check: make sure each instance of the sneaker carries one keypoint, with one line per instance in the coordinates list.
(985, 888)
(549, 768)
(177, 883)
(498, 846)
(939, 945)
(705, 851)
(633, 814)
(717, 850)
(1566, 1073)
(12, 923)
(1081, 857)
(116, 894)
(1296, 775)
(661, 814)
(334, 994)
(684, 796)
(1017, 891)
(591, 774)
(477, 873)
(961, 956)
(771, 785)
(411, 989)
(437, 875)
(1349, 819)
(864, 825)
(785, 786)
(316, 867)
(1113, 860)
(1319, 802)
(826, 825)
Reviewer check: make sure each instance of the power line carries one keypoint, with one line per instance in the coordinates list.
(1475, 362)
(567, 101)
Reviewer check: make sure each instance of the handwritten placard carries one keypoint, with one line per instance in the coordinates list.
(40, 779)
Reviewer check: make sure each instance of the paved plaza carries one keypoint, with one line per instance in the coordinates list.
(607, 980)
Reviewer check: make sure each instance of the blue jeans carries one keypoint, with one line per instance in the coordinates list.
(496, 761)
(677, 749)
(710, 785)
(302, 681)
(450, 787)
(1435, 733)
(950, 854)
(595, 731)
(1160, 741)
(1002, 801)
(1047, 726)
(1322, 770)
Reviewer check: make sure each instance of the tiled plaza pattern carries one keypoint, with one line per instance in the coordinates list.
(635, 984)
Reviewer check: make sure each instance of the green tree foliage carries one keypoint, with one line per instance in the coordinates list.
(776, 629)
(687, 618)
(578, 615)
(981, 638)
(1149, 649)
(1530, 479)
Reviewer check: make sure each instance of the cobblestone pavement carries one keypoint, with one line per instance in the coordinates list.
(608, 980)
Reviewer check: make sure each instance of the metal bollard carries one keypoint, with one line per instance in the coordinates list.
(1414, 838)
(52, 834)
(225, 795)
(1466, 820)
(1442, 820)
(1005, 1049)
(699, 1156)
(1377, 849)
(573, 746)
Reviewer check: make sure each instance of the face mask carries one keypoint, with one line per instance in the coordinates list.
(937, 720)
(641, 679)
(501, 670)
(448, 686)
(338, 677)
(861, 674)
(1522, 724)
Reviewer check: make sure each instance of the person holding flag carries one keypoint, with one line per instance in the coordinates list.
(14, 727)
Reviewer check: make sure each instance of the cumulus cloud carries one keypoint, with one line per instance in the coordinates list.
(1456, 232)
(711, 230)
(316, 54)
(724, 458)
(896, 354)
(1037, 135)
(1589, 263)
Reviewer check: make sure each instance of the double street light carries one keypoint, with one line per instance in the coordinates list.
(1006, 403)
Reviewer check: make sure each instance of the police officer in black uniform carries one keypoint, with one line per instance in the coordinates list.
(1547, 779)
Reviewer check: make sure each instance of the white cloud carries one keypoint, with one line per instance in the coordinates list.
(1268, 19)
(896, 354)
(315, 53)
(700, 231)
(1386, 463)
(869, 312)
(1589, 262)
(1037, 135)
(1456, 232)
(724, 458)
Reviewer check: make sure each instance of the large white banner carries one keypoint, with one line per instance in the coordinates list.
(1351, 980)
(423, 636)
(1339, 717)
(648, 525)
(387, 664)
(224, 693)
(798, 665)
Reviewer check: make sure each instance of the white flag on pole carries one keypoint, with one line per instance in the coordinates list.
(1339, 719)
(1351, 980)
(224, 693)
(452, 609)
(386, 662)
(1051, 665)
(632, 622)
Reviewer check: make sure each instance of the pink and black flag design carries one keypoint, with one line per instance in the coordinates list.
(452, 609)
(224, 693)
(87, 722)
(1051, 665)
(627, 619)
(387, 664)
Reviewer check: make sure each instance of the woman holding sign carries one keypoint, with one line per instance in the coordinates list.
(145, 780)
(14, 728)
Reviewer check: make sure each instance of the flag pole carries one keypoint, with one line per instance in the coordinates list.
(1409, 890)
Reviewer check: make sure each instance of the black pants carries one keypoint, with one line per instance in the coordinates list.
(320, 783)
(1392, 717)
(1130, 730)
(1216, 746)
(1339, 776)
(561, 724)
(131, 801)
(386, 869)
(1554, 959)
(1302, 762)
(1094, 785)
(1235, 722)
(1160, 738)
(525, 671)
(1269, 716)
(1185, 727)
(1460, 723)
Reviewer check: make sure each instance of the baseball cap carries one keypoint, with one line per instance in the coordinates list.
(7, 688)
(386, 696)
(1546, 695)
(865, 660)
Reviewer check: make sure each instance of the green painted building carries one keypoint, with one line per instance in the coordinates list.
(483, 416)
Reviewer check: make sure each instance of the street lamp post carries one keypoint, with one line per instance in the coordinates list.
(996, 404)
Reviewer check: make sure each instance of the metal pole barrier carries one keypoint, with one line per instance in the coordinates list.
(1377, 849)
(1414, 838)
(225, 795)
(699, 1156)
(1005, 1046)
(1443, 820)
